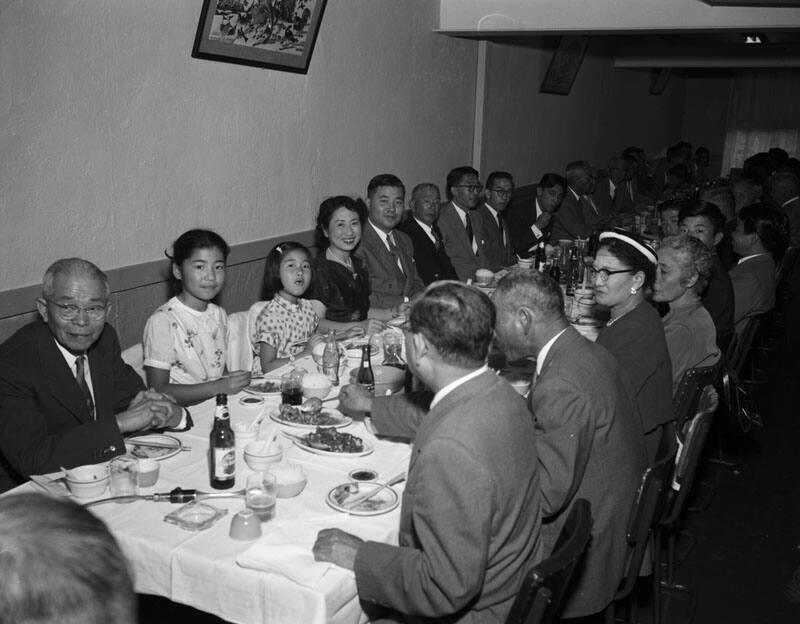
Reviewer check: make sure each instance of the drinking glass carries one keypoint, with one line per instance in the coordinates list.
(124, 476)
(260, 495)
(292, 388)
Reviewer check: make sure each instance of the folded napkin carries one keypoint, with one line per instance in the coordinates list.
(286, 547)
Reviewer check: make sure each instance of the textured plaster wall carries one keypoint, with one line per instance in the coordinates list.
(113, 140)
(530, 133)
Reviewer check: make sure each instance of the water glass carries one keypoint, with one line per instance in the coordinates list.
(260, 495)
(124, 475)
(292, 388)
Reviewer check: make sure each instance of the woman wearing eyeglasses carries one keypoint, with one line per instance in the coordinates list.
(624, 270)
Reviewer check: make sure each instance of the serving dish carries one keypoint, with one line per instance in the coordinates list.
(383, 502)
(164, 446)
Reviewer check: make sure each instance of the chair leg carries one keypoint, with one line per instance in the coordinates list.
(656, 548)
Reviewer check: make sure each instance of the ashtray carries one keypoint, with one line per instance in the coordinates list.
(195, 516)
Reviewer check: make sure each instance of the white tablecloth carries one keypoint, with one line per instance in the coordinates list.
(200, 569)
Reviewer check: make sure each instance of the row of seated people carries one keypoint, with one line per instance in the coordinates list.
(597, 422)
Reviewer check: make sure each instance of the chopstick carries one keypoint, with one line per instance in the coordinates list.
(367, 495)
(155, 444)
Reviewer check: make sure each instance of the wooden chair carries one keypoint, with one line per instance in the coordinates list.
(687, 396)
(545, 587)
(644, 515)
(134, 357)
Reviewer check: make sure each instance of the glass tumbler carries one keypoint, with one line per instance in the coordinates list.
(260, 495)
(124, 476)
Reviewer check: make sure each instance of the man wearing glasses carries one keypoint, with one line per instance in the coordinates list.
(496, 235)
(66, 396)
(461, 224)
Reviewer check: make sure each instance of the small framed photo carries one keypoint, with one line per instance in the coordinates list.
(274, 34)
(565, 64)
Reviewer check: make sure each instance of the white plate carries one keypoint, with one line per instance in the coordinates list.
(301, 443)
(257, 386)
(132, 444)
(383, 502)
(342, 420)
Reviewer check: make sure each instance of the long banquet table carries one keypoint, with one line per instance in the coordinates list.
(201, 569)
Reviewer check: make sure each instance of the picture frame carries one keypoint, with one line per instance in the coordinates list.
(272, 34)
(564, 65)
(659, 79)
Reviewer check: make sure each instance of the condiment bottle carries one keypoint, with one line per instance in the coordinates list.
(365, 376)
(222, 448)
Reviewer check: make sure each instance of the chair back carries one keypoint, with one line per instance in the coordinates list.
(645, 513)
(689, 454)
(134, 357)
(240, 352)
(545, 586)
(687, 396)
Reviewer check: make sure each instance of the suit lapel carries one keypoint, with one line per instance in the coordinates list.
(64, 388)
(380, 252)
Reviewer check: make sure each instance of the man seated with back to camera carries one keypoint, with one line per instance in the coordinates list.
(66, 396)
(471, 512)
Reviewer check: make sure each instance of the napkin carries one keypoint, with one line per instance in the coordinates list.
(286, 547)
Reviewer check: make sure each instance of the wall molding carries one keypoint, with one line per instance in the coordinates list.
(19, 301)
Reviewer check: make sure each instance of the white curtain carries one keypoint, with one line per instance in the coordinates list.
(764, 112)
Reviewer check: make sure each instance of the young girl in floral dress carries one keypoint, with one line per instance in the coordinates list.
(185, 340)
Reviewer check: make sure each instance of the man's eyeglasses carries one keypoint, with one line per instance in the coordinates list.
(604, 274)
(472, 188)
(502, 192)
(68, 311)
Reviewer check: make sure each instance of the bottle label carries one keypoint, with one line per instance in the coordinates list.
(224, 463)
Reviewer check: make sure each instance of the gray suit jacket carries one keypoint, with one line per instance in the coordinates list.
(591, 445)
(498, 253)
(753, 288)
(458, 246)
(388, 284)
(470, 521)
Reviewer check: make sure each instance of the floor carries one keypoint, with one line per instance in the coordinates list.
(745, 565)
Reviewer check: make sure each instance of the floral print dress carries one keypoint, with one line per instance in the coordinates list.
(280, 324)
(192, 345)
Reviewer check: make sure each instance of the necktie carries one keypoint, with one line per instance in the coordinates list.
(500, 227)
(437, 235)
(470, 233)
(394, 251)
(591, 203)
(80, 377)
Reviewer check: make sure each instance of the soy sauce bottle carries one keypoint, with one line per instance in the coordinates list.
(222, 450)
(365, 376)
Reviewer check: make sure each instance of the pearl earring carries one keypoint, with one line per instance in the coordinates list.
(633, 291)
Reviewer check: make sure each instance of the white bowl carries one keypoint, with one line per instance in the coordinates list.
(290, 479)
(259, 454)
(316, 385)
(386, 378)
(483, 276)
(87, 489)
(89, 472)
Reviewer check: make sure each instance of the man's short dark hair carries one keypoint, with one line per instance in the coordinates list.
(498, 175)
(456, 176)
(549, 180)
(534, 290)
(705, 209)
(60, 565)
(768, 223)
(384, 179)
(458, 320)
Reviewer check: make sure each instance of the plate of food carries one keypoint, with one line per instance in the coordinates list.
(330, 442)
(293, 416)
(383, 501)
(264, 386)
(153, 446)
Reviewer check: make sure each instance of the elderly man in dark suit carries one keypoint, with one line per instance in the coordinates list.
(531, 223)
(429, 253)
(387, 252)
(460, 223)
(579, 215)
(470, 521)
(496, 235)
(66, 396)
(590, 439)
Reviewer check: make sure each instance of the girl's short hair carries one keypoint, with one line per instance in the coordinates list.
(272, 274)
(331, 205)
(188, 242)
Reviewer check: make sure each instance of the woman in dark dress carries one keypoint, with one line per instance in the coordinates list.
(625, 269)
(339, 280)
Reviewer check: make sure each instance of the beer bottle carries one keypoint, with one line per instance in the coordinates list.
(222, 451)
(365, 377)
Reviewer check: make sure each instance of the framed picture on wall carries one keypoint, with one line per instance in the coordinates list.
(274, 34)
(564, 65)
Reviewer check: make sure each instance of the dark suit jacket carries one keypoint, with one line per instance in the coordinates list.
(470, 520)
(719, 301)
(574, 219)
(602, 197)
(388, 284)
(591, 445)
(44, 422)
(498, 253)
(753, 288)
(519, 218)
(792, 210)
(432, 265)
(458, 246)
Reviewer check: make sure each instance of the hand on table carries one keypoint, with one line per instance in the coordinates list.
(372, 326)
(337, 547)
(149, 410)
(233, 382)
(355, 398)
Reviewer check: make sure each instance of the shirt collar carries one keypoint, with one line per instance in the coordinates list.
(573, 193)
(789, 201)
(425, 227)
(751, 256)
(491, 210)
(539, 210)
(70, 358)
(545, 350)
(455, 384)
